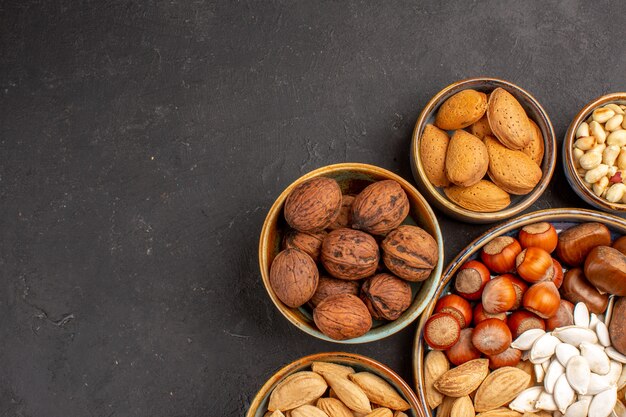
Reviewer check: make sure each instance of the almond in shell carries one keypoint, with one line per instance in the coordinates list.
(308, 411)
(500, 387)
(508, 120)
(445, 408)
(435, 365)
(513, 171)
(349, 393)
(433, 149)
(379, 391)
(462, 380)
(467, 159)
(323, 368)
(500, 412)
(484, 196)
(333, 407)
(462, 407)
(297, 389)
(535, 147)
(481, 128)
(380, 412)
(461, 110)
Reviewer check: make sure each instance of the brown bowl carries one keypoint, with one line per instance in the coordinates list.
(258, 407)
(573, 178)
(518, 203)
(561, 219)
(352, 178)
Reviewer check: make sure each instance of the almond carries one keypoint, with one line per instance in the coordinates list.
(445, 408)
(467, 159)
(308, 411)
(484, 196)
(462, 407)
(499, 412)
(500, 387)
(461, 110)
(527, 367)
(399, 414)
(513, 171)
(464, 379)
(535, 147)
(381, 412)
(349, 393)
(329, 367)
(379, 391)
(435, 365)
(481, 128)
(333, 407)
(508, 120)
(276, 413)
(297, 389)
(433, 148)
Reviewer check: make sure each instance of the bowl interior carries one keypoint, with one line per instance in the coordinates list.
(561, 219)
(352, 178)
(573, 178)
(533, 110)
(258, 407)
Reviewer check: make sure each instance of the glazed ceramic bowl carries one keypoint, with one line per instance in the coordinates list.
(575, 181)
(258, 407)
(518, 202)
(352, 178)
(562, 218)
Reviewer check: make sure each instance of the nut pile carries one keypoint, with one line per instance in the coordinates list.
(600, 152)
(342, 236)
(529, 295)
(502, 143)
(333, 390)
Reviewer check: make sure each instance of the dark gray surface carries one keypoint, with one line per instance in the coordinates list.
(143, 143)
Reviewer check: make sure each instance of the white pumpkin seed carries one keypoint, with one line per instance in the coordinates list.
(597, 359)
(543, 347)
(593, 321)
(597, 384)
(564, 395)
(615, 372)
(578, 374)
(525, 402)
(526, 340)
(602, 404)
(603, 334)
(539, 372)
(614, 354)
(555, 370)
(546, 402)
(575, 335)
(581, 315)
(621, 382)
(578, 409)
(619, 410)
(565, 352)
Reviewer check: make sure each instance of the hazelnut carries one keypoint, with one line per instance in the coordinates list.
(293, 277)
(313, 205)
(386, 296)
(380, 207)
(328, 286)
(349, 254)
(310, 243)
(342, 316)
(410, 253)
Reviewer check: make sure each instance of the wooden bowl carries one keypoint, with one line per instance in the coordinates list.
(258, 407)
(352, 178)
(518, 202)
(575, 181)
(560, 218)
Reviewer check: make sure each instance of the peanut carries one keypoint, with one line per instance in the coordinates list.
(602, 114)
(600, 186)
(595, 174)
(590, 160)
(615, 192)
(614, 122)
(585, 143)
(610, 155)
(616, 138)
(583, 130)
(597, 131)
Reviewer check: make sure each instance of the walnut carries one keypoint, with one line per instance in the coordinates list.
(380, 207)
(345, 213)
(410, 253)
(386, 296)
(313, 205)
(342, 316)
(310, 243)
(328, 286)
(349, 254)
(293, 277)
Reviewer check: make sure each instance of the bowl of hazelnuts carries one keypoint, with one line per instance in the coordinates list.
(350, 253)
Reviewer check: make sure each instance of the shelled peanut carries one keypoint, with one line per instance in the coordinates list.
(600, 152)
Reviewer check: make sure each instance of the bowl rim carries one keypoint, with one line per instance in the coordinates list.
(389, 328)
(549, 215)
(568, 157)
(381, 370)
(445, 204)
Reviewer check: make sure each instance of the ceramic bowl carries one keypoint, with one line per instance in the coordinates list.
(573, 178)
(560, 218)
(258, 407)
(518, 202)
(352, 178)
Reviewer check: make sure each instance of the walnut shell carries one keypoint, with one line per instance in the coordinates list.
(313, 205)
(349, 254)
(309, 243)
(410, 253)
(328, 286)
(380, 207)
(345, 213)
(342, 316)
(293, 277)
(386, 296)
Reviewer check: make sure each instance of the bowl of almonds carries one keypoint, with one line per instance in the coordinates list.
(594, 153)
(350, 253)
(483, 150)
(529, 318)
(335, 385)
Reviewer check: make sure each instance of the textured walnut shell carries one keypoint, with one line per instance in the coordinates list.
(349, 254)
(386, 296)
(380, 207)
(345, 213)
(310, 243)
(605, 268)
(576, 242)
(313, 205)
(410, 253)
(328, 286)
(617, 326)
(293, 277)
(342, 316)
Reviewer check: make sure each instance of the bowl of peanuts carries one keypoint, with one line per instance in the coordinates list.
(594, 153)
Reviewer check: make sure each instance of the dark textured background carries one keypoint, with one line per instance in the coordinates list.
(142, 144)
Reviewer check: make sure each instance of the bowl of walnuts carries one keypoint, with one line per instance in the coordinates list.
(350, 253)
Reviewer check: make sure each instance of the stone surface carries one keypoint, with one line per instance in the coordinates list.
(142, 144)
